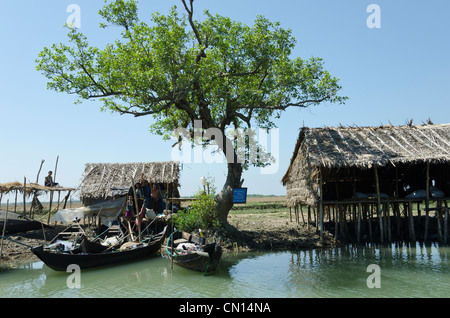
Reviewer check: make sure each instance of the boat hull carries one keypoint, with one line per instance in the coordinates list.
(199, 261)
(205, 260)
(61, 261)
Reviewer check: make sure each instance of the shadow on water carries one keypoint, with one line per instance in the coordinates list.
(404, 271)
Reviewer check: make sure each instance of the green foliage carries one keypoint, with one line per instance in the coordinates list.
(177, 70)
(201, 214)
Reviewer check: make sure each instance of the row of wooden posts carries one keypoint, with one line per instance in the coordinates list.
(381, 208)
(361, 220)
(35, 202)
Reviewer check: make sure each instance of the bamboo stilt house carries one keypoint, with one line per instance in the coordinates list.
(105, 181)
(345, 164)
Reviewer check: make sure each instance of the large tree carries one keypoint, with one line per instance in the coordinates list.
(181, 71)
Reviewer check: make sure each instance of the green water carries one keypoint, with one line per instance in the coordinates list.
(404, 271)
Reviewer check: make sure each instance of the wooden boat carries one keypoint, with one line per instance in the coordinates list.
(90, 254)
(194, 253)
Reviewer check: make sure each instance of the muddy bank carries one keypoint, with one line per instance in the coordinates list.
(272, 232)
(17, 249)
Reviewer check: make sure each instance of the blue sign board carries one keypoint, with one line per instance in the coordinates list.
(240, 195)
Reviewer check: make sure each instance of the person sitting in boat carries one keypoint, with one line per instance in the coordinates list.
(48, 182)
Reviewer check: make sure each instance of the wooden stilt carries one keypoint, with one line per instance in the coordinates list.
(377, 184)
(438, 219)
(24, 196)
(358, 233)
(412, 233)
(445, 223)
(309, 215)
(388, 221)
(369, 221)
(336, 220)
(4, 229)
(321, 205)
(427, 203)
(301, 212)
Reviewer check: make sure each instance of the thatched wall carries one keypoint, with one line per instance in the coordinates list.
(348, 149)
(100, 179)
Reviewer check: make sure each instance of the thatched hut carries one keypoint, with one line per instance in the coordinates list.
(105, 181)
(349, 165)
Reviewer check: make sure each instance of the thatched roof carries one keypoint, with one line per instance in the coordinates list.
(101, 179)
(30, 188)
(361, 147)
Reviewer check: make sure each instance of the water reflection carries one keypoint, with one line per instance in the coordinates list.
(405, 271)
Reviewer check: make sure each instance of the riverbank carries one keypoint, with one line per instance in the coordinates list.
(261, 224)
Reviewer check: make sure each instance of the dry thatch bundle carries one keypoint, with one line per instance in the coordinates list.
(30, 188)
(101, 179)
(361, 148)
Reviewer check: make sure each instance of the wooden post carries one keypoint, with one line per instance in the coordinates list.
(388, 221)
(427, 202)
(50, 207)
(369, 220)
(445, 223)
(412, 233)
(24, 196)
(301, 212)
(438, 218)
(336, 218)
(4, 228)
(137, 209)
(309, 215)
(290, 214)
(321, 204)
(380, 217)
(358, 233)
(56, 167)
(37, 177)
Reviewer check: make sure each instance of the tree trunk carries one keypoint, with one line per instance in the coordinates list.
(225, 197)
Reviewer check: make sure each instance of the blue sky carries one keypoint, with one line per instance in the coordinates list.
(391, 74)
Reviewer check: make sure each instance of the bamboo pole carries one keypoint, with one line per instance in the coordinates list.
(37, 177)
(4, 228)
(50, 207)
(358, 233)
(412, 233)
(56, 168)
(301, 212)
(427, 202)
(336, 218)
(137, 209)
(321, 208)
(24, 196)
(438, 217)
(445, 223)
(380, 217)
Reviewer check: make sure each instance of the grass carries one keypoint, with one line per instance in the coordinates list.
(261, 205)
